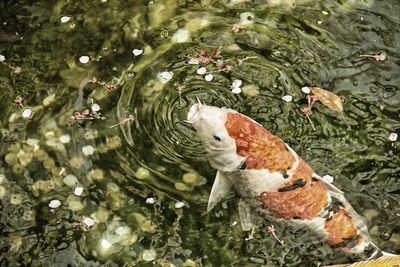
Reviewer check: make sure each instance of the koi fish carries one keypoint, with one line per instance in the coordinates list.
(272, 179)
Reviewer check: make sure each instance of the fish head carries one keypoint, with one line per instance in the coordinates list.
(209, 122)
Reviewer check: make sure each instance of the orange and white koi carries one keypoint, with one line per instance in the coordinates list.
(273, 180)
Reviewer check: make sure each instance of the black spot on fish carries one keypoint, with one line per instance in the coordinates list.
(297, 184)
(243, 165)
(350, 242)
(285, 175)
(334, 206)
(296, 217)
(314, 179)
(373, 251)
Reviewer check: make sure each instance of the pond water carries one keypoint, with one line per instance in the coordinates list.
(78, 190)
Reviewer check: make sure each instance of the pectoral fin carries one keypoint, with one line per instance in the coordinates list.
(219, 189)
(246, 216)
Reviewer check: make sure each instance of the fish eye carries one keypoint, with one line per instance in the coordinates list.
(216, 137)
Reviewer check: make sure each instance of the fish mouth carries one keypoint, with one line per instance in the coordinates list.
(193, 114)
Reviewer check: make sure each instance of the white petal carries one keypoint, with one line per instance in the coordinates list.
(26, 113)
(201, 71)
(55, 203)
(88, 221)
(84, 59)
(150, 200)
(208, 77)
(65, 19)
(306, 89)
(167, 75)
(287, 98)
(137, 52)
(236, 90)
(78, 191)
(236, 83)
(179, 205)
(393, 137)
(95, 107)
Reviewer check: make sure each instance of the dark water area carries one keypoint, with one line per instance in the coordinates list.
(99, 168)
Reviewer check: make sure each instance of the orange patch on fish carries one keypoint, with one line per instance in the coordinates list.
(262, 149)
(339, 227)
(305, 202)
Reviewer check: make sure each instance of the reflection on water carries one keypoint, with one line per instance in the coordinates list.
(78, 190)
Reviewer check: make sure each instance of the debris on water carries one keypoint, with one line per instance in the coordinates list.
(271, 229)
(84, 59)
(208, 77)
(108, 87)
(78, 191)
(19, 100)
(130, 117)
(55, 203)
(167, 75)
(306, 89)
(328, 178)
(27, 113)
(88, 150)
(393, 137)
(150, 200)
(179, 205)
(381, 56)
(201, 71)
(83, 115)
(65, 19)
(287, 98)
(308, 110)
(328, 99)
(236, 28)
(137, 52)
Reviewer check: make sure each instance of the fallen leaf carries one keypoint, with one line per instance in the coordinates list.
(327, 98)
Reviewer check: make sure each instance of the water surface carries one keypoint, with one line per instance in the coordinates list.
(146, 182)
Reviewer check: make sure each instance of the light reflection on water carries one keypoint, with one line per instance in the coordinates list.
(146, 182)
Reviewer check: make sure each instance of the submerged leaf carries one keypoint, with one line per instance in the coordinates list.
(327, 98)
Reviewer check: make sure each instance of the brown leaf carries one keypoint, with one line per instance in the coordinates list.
(327, 98)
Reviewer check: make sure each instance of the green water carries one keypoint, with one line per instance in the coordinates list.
(157, 157)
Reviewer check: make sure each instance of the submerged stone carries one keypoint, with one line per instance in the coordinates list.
(142, 173)
(96, 175)
(70, 180)
(149, 254)
(3, 192)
